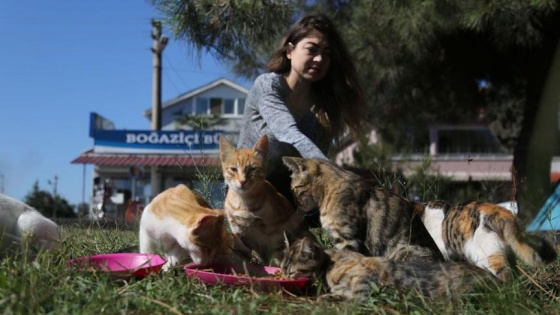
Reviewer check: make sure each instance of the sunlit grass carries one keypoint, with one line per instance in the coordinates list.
(48, 285)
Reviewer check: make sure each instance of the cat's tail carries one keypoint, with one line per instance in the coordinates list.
(531, 249)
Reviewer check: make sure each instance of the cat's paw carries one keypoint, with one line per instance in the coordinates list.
(168, 265)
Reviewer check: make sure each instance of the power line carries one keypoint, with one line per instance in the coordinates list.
(170, 79)
(167, 60)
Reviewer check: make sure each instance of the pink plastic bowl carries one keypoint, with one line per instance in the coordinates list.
(121, 265)
(236, 275)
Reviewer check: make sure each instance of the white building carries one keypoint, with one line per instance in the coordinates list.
(124, 160)
(137, 164)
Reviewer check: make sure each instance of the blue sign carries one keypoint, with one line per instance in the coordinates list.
(108, 140)
(148, 141)
(98, 122)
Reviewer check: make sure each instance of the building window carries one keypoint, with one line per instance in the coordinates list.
(467, 141)
(229, 107)
(188, 108)
(216, 106)
(240, 106)
(234, 107)
(201, 105)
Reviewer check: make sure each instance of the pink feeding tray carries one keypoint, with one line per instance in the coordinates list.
(121, 265)
(245, 275)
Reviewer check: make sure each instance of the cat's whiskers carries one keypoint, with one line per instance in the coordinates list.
(257, 214)
(357, 216)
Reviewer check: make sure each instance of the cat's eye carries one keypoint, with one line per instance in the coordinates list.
(233, 169)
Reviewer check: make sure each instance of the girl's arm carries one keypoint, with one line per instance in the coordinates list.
(282, 125)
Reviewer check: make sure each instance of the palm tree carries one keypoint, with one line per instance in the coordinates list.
(199, 121)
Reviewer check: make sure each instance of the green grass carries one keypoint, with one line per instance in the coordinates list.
(47, 285)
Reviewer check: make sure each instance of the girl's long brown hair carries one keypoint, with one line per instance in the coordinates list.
(338, 96)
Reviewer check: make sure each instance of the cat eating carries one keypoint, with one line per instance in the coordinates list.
(179, 223)
(257, 214)
(349, 275)
(25, 230)
(483, 234)
(358, 216)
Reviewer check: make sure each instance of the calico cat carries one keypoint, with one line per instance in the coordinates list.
(24, 230)
(350, 275)
(483, 234)
(257, 214)
(180, 224)
(358, 216)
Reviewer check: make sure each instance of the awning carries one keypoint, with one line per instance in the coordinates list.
(106, 159)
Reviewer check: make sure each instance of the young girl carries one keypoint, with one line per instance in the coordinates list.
(309, 98)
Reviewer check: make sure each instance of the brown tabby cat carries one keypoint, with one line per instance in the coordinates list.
(257, 214)
(180, 224)
(358, 216)
(350, 275)
(483, 234)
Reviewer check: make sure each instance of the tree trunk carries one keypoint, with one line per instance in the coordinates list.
(539, 138)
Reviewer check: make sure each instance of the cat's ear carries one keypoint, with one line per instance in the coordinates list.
(308, 247)
(295, 164)
(262, 147)
(205, 224)
(221, 219)
(207, 219)
(225, 148)
(286, 240)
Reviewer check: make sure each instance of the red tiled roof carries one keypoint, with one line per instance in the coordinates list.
(106, 159)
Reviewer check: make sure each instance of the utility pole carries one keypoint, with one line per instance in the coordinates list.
(159, 43)
(1, 183)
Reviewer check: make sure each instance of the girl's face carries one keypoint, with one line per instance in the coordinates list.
(310, 57)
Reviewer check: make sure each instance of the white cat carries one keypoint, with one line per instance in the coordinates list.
(179, 224)
(23, 228)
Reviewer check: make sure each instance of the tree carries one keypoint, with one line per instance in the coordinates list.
(45, 203)
(200, 121)
(426, 61)
(239, 32)
(422, 62)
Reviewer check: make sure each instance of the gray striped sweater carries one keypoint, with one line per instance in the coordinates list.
(266, 113)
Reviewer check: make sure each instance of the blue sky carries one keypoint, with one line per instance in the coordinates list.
(61, 60)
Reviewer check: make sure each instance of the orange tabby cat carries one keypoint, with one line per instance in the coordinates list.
(257, 214)
(180, 224)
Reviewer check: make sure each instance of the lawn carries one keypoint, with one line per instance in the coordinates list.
(48, 285)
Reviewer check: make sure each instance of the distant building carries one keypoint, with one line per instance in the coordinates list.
(129, 164)
(462, 153)
(126, 162)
